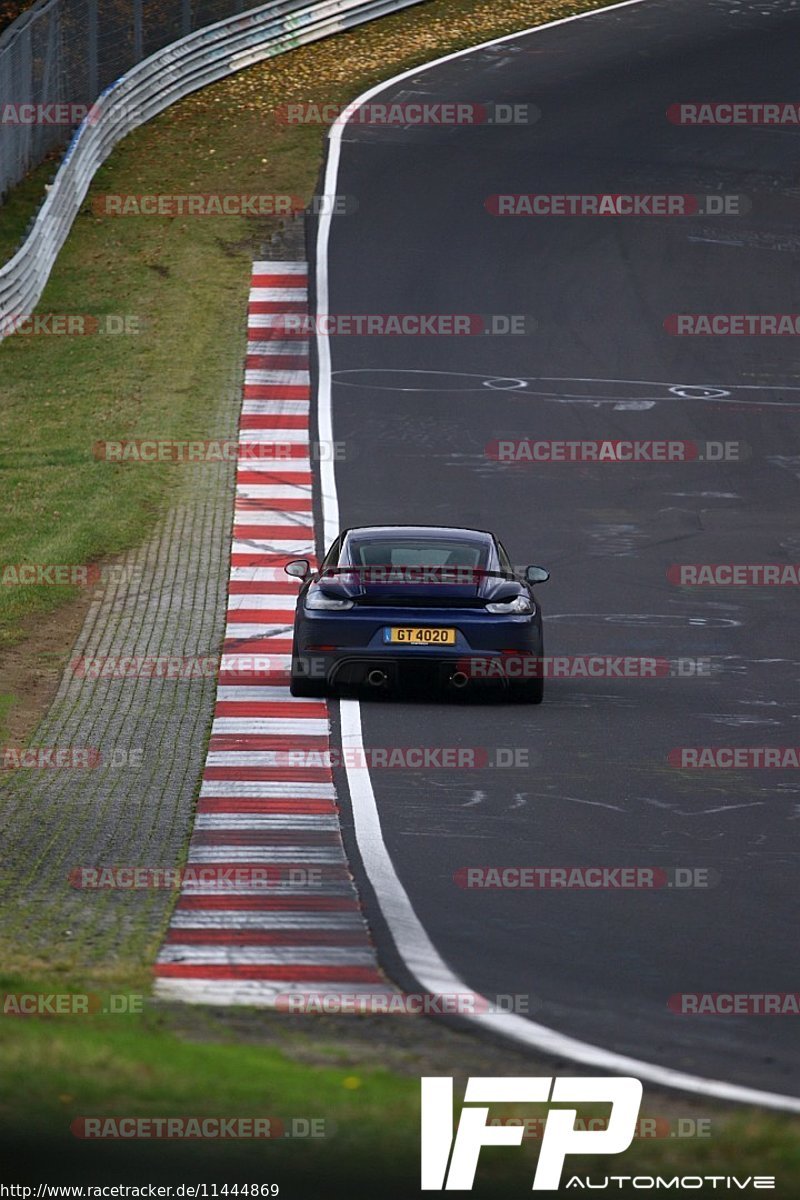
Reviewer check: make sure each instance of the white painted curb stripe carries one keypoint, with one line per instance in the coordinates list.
(284, 437)
(278, 293)
(287, 405)
(229, 789)
(277, 378)
(263, 695)
(330, 855)
(268, 267)
(279, 464)
(244, 955)
(305, 821)
(299, 726)
(274, 491)
(293, 347)
(261, 994)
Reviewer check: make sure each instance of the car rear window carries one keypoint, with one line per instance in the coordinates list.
(423, 552)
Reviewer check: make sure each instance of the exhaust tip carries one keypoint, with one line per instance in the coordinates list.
(458, 679)
(376, 678)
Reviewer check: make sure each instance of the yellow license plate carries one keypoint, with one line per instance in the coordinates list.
(423, 636)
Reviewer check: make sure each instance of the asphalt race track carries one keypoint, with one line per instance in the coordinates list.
(416, 415)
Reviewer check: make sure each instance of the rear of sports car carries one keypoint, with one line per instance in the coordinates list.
(440, 612)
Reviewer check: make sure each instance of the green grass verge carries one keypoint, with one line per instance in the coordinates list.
(56, 1070)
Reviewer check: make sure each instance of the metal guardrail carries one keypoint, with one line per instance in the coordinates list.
(147, 89)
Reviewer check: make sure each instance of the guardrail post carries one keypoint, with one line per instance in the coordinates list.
(186, 17)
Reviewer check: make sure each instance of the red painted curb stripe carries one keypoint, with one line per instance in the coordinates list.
(270, 708)
(274, 333)
(270, 451)
(276, 362)
(257, 645)
(263, 587)
(278, 306)
(282, 533)
(274, 421)
(281, 475)
(257, 616)
(259, 903)
(279, 281)
(277, 391)
(272, 971)
(273, 676)
(268, 774)
(241, 558)
(270, 504)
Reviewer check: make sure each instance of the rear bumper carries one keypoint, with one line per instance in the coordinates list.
(439, 669)
(475, 630)
(343, 648)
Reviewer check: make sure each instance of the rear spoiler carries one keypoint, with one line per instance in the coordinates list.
(387, 573)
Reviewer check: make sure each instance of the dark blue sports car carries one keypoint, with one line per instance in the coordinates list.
(391, 601)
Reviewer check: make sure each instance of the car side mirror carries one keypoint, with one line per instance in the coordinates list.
(298, 568)
(536, 574)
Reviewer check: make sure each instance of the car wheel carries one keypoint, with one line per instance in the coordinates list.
(529, 689)
(302, 684)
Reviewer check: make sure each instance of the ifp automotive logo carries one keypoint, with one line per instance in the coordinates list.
(560, 1137)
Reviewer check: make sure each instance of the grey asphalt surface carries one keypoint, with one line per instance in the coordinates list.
(598, 789)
